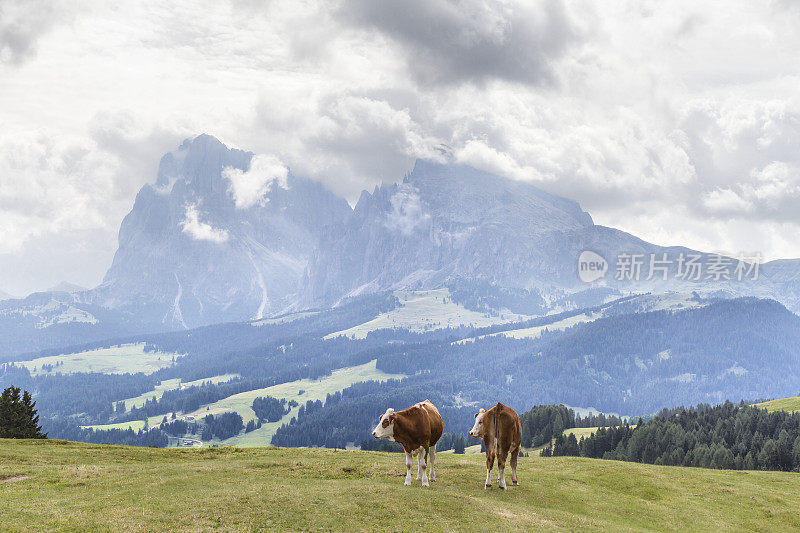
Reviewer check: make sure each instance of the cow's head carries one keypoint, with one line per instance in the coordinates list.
(477, 429)
(385, 427)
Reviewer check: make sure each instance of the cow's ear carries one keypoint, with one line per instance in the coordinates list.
(476, 415)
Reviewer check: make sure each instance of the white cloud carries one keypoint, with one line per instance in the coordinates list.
(677, 121)
(407, 212)
(201, 231)
(726, 201)
(250, 187)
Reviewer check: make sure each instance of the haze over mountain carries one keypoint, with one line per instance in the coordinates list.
(194, 250)
(224, 235)
(66, 286)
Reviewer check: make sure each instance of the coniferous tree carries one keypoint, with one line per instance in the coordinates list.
(18, 418)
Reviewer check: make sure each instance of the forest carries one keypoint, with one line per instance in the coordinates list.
(727, 436)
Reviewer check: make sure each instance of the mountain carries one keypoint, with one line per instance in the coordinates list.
(443, 222)
(45, 320)
(451, 225)
(6, 296)
(223, 235)
(446, 223)
(66, 286)
(190, 254)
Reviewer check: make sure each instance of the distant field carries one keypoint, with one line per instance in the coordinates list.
(536, 331)
(135, 425)
(644, 303)
(580, 432)
(284, 319)
(301, 391)
(784, 404)
(54, 485)
(427, 311)
(126, 358)
(172, 384)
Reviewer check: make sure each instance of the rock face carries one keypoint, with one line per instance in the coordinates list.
(192, 253)
(188, 256)
(448, 221)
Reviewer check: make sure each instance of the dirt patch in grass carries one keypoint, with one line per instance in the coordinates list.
(13, 478)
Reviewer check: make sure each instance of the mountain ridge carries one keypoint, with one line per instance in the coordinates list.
(192, 252)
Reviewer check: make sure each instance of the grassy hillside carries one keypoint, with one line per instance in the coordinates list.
(58, 485)
(125, 358)
(422, 311)
(784, 404)
(301, 391)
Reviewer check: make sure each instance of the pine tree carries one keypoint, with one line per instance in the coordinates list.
(18, 418)
(459, 445)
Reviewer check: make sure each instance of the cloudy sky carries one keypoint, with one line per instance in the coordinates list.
(676, 121)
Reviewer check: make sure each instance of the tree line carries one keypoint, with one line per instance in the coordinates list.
(728, 436)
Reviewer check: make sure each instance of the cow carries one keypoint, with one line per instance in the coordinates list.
(502, 434)
(418, 429)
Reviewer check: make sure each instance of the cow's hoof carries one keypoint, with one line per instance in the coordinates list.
(514, 483)
(426, 484)
(502, 487)
(407, 483)
(489, 486)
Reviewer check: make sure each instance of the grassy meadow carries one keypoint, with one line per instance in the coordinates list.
(47, 485)
(426, 311)
(125, 358)
(784, 404)
(301, 391)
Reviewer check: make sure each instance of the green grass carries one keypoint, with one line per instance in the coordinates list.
(125, 358)
(82, 487)
(172, 384)
(580, 432)
(135, 425)
(584, 432)
(784, 404)
(301, 391)
(427, 311)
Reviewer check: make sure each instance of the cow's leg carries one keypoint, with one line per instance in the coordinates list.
(433, 463)
(513, 462)
(424, 462)
(489, 466)
(502, 455)
(420, 462)
(409, 464)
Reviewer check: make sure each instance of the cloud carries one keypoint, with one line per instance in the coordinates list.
(250, 187)
(633, 109)
(23, 23)
(726, 201)
(452, 41)
(407, 212)
(201, 231)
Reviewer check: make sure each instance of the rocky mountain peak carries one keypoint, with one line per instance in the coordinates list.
(199, 163)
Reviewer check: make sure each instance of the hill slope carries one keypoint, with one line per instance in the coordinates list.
(112, 487)
(783, 404)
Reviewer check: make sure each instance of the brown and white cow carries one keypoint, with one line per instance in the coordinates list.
(502, 434)
(418, 429)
